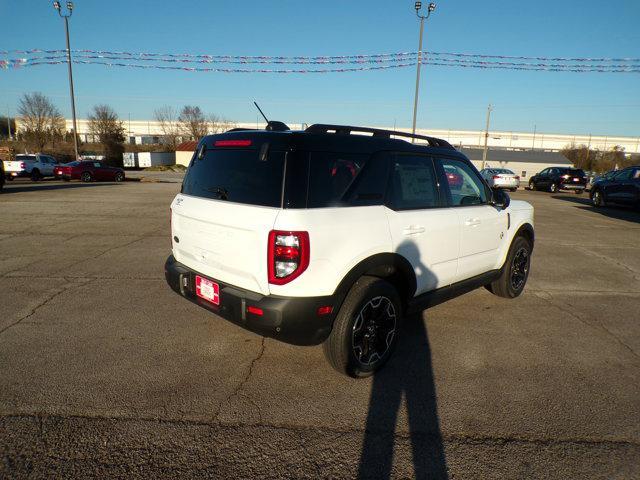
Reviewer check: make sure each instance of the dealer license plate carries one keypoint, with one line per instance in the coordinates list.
(208, 290)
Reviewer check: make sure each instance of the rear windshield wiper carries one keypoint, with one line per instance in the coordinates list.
(221, 193)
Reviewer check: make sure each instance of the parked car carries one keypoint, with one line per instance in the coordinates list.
(453, 178)
(1, 176)
(328, 236)
(36, 166)
(621, 187)
(501, 178)
(89, 171)
(555, 179)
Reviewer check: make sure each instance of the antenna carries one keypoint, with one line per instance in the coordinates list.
(261, 112)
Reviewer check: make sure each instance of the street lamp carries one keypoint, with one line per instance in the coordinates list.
(430, 8)
(66, 16)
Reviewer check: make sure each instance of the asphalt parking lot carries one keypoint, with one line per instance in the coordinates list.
(105, 371)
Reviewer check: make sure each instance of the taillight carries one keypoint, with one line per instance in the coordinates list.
(496, 177)
(288, 255)
(566, 176)
(23, 165)
(517, 177)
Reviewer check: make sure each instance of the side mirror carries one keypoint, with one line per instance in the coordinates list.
(500, 198)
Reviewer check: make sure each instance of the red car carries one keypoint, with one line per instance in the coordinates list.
(453, 177)
(88, 171)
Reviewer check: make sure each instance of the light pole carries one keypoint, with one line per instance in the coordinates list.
(486, 135)
(418, 6)
(66, 16)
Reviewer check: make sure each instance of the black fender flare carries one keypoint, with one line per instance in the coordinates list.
(390, 266)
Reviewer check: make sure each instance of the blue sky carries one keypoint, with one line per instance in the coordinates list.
(451, 98)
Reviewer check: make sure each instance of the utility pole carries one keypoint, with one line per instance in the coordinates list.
(9, 123)
(533, 145)
(418, 7)
(486, 135)
(66, 16)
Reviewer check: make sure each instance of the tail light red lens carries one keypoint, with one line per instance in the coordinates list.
(23, 165)
(496, 177)
(255, 311)
(288, 255)
(517, 177)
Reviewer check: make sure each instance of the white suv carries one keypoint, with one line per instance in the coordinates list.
(334, 233)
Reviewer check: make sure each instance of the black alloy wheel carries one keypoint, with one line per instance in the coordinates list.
(519, 269)
(373, 331)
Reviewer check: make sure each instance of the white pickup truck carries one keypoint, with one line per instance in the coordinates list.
(35, 166)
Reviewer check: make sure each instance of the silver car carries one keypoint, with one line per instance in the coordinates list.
(501, 178)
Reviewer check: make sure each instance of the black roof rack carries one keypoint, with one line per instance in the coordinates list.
(377, 132)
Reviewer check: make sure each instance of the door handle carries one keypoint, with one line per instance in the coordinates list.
(413, 230)
(472, 222)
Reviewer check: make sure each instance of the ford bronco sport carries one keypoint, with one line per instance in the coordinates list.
(332, 234)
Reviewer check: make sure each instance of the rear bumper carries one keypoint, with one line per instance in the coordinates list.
(21, 173)
(289, 319)
(569, 186)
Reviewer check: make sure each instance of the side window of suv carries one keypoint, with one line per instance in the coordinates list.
(465, 187)
(413, 183)
(331, 176)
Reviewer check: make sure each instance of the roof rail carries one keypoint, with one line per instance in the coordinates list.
(377, 132)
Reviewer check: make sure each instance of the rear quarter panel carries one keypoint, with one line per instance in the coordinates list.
(339, 239)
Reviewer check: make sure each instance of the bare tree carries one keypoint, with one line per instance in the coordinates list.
(193, 123)
(168, 119)
(219, 124)
(41, 120)
(105, 124)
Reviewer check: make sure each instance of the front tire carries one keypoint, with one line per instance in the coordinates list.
(597, 199)
(119, 177)
(553, 188)
(515, 271)
(365, 331)
(532, 185)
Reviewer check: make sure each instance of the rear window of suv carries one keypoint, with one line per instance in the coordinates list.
(236, 175)
(576, 172)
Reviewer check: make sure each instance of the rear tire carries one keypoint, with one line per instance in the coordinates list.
(119, 177)
(515, 271)
(35, 175)
(86, 177)
(365, 331)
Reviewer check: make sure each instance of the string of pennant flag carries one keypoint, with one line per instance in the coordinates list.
(346, 63)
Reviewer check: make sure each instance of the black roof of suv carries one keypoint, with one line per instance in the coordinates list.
(317, 167)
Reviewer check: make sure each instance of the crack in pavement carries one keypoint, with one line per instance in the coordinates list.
(601, 256)
(243, 382)
(110, 249)
(33, 311)
(572, 314)
(461, 437)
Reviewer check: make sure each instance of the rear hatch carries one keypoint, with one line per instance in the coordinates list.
(230, 198)
(573, 176)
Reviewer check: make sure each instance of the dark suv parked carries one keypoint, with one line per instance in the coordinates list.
(622, 187)
(554, 179)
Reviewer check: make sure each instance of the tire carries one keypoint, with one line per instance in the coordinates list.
(553, 188)
(35, 175)
(597, 199)
(358, 327)
(511, 282)
(86, 177)
(119, 177)
(532, 185)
